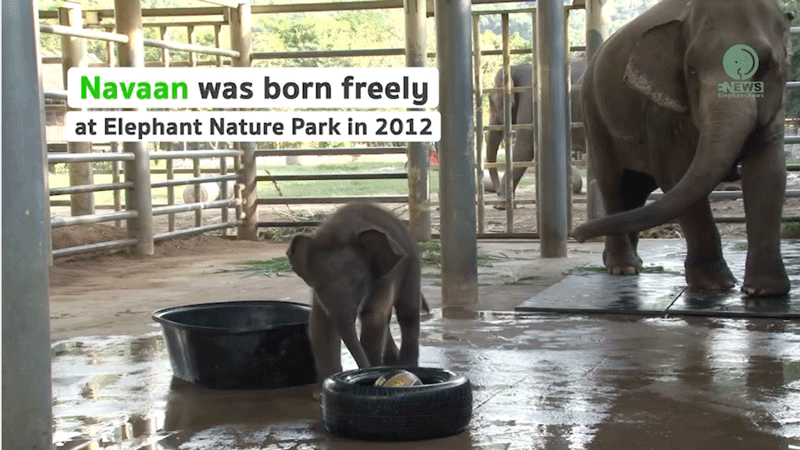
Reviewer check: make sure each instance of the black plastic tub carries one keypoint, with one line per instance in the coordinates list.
(239, 345)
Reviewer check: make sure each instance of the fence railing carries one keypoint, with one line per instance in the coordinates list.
(80, 156)
(236, 170)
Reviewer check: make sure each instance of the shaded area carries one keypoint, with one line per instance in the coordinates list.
(664, 293)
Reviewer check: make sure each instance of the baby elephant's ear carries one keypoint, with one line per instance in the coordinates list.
(298, 252)
(384, 251)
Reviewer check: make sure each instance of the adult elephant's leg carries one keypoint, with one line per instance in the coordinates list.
(706, 269)
(763, 189)
(619, 255)
(637, 188)
(493, 139)
(521, 151)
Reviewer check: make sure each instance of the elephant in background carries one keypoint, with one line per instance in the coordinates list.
(523, 112)
(658, 112)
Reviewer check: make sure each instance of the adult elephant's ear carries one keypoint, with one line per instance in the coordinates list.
(655, 67)
(298, 254)
(384, 252)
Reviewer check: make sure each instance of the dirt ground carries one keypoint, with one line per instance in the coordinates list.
(110, 292)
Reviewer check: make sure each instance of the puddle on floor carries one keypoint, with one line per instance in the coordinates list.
(539, 382)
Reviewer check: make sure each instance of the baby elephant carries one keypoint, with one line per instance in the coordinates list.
(360, 263)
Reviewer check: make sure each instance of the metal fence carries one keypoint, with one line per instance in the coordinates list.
(129, 163)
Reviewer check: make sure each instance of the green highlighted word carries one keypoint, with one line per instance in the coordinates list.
(111, 90)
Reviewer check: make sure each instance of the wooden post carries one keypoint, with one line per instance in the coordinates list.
(128, 16)
(73, 54)
(241, 41)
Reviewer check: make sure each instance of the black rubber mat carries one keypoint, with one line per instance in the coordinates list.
(661, 289)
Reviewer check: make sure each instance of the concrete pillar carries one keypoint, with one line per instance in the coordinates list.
(27, 395)
(241, 41)
(128, 17)
(419, 212)
(552, 128)
(456, 161)
(73, 54)
(597, 21)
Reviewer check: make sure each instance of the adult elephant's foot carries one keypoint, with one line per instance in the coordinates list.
(709, 276)
(766, 282)
(626, 263)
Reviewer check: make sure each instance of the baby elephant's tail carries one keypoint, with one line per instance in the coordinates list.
(424, 303)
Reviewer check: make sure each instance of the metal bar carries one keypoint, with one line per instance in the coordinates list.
(551, 182)
(115, 166)
(419, 213)
(179, 46)
(89, 188)
(534, 116)
(791, 140)
(350, 53)
(507, 182)
(198, 215)
(59, 222)
(165, 60)
(476, 55)
(198, 181)
(331, 200)
(128, 19)
(197, 206)
(192, 231)
(82, 32)
(237, 187)
(289, 224)
(183, 23)
(88, 157)
(793, 85)
(27, 390)
(108, 245)
(568, 122)
(191, 154)
(330, 53)
(794, 30)
(271, 9)
(241, 40)
(332, 151)
(335, 176)
(228, 3)
(456, 161)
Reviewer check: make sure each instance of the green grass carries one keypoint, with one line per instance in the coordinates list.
(268, 189)
(338, 187)
(790, 230)
(107, 197)
(430, 256)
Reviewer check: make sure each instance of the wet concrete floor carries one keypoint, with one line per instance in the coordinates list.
(540, 381)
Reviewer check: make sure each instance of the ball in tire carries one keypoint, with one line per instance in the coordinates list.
(398, 378)
(353, 407)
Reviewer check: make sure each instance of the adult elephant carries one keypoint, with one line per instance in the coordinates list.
(657, 113)
(522, 112)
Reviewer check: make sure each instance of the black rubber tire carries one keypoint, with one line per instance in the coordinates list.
(353, 408)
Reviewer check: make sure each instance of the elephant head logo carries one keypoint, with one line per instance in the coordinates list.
(740, 62)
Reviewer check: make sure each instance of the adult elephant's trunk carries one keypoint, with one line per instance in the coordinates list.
(726, 124)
